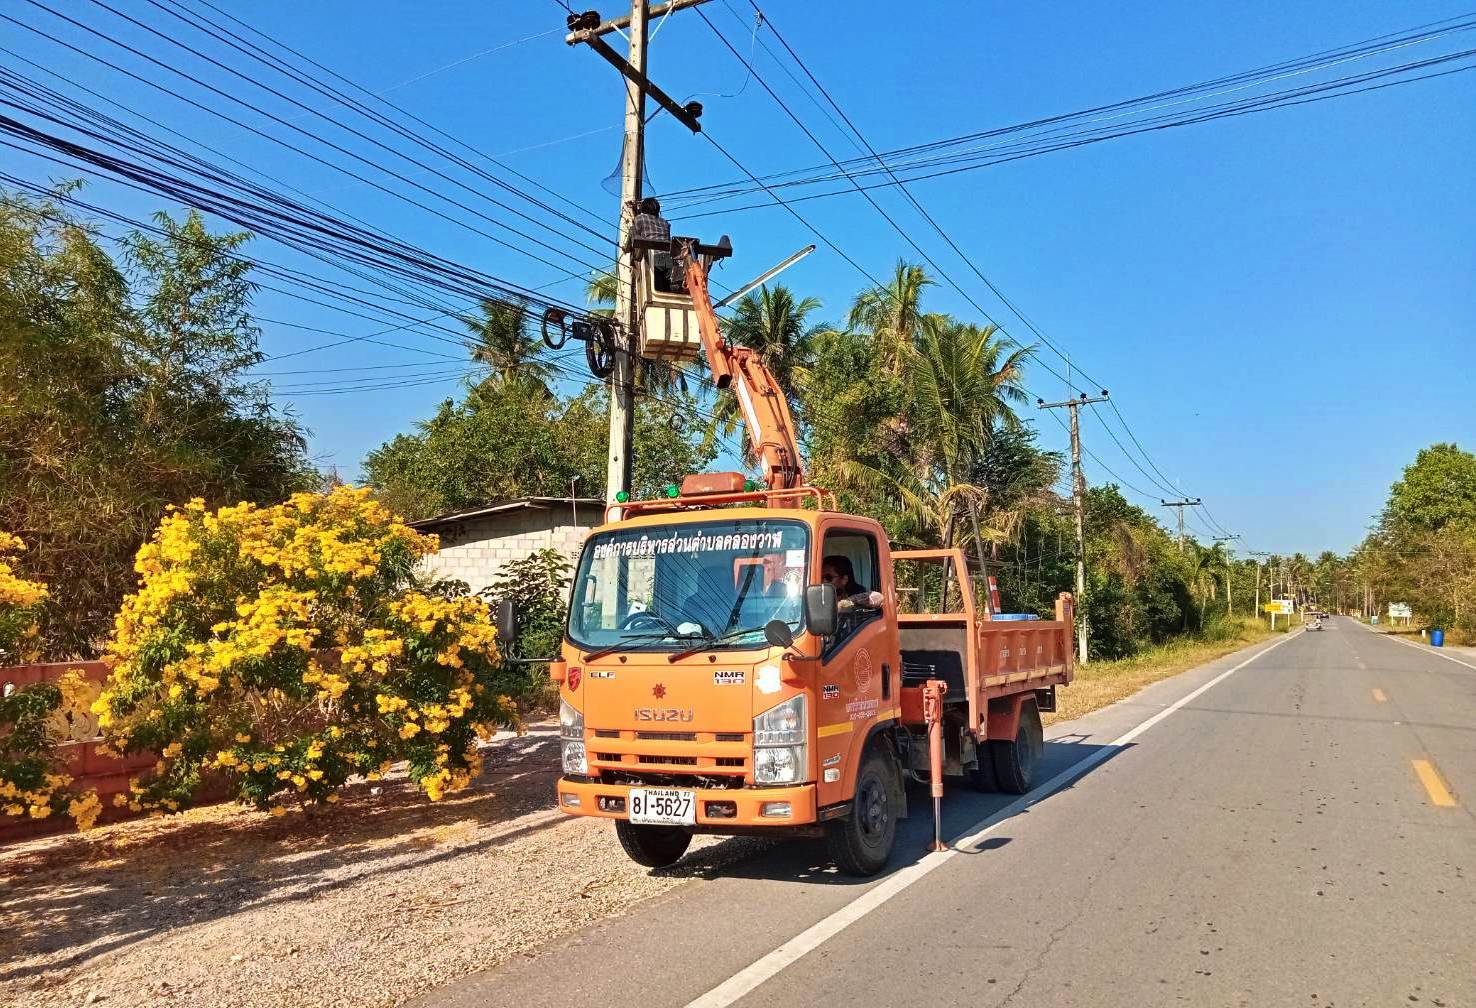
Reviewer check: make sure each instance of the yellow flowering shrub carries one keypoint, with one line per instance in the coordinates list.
(32, 723)
(287, 648)
(19, 602)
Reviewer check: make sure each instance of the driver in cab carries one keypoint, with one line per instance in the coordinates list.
(850, 594)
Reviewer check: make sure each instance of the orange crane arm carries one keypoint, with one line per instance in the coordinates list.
(771, 429)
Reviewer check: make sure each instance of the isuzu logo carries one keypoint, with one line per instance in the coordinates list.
(662, 714)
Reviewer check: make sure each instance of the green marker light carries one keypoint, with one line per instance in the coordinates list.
(672, 490)
(622, 496)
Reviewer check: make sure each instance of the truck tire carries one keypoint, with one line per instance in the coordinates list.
(861, 842)
(652, 846)
(1015, 763)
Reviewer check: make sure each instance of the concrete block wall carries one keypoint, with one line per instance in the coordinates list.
(475, 551)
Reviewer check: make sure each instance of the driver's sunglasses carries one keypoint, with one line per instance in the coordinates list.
(827, 578)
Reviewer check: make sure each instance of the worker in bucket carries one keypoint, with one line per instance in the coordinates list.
(650, 224)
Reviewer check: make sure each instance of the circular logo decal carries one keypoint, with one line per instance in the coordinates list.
(861, 669)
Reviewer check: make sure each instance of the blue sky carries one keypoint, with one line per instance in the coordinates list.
(1281, 304)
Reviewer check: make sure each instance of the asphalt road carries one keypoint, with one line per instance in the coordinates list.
(1299, 831)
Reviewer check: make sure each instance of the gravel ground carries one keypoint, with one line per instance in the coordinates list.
(366, 903)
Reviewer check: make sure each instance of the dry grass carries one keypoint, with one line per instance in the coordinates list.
(1106, 682)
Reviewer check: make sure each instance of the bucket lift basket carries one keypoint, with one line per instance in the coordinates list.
(668, 323)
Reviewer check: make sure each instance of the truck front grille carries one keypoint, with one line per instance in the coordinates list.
(651, 757)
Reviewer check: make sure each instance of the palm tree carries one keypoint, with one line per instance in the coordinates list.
(601, 291)
(1205, 568)
(504, 344)
(771, 322)
(966, 382)
(892, 314)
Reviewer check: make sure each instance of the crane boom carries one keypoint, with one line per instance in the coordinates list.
(765, 408)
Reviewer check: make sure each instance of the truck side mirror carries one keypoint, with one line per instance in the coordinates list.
(778, 634)
(820, 609)
(507, 623)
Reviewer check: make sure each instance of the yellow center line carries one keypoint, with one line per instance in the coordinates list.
(1434, 786)
(1378, 695)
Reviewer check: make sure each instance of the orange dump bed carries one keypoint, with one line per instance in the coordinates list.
(959, 642)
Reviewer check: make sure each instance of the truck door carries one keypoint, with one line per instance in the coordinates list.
(858, 664)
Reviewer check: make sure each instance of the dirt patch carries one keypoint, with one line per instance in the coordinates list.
(366, 903)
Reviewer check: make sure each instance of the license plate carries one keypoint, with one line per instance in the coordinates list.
(662, 807)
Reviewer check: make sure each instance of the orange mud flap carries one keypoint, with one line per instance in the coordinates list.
(933, 691)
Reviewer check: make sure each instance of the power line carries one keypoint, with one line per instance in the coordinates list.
(254, 51)
(261, 211)
(290, 146)
(1225, 84)
(968, 261)
(874, 204)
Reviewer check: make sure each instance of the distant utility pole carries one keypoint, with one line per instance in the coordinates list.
(1078, 495)
(1258, 554)
(1181, 505)
(1229, 601)
(588, 29)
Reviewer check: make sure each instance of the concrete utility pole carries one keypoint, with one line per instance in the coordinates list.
(1258, 554)
(1181, 505)
(1229, 600)
(588, 29)
(1078, 496)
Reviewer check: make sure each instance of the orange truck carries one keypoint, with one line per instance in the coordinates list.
(740, 657)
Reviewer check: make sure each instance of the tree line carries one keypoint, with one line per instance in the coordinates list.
(910, 415)
(1421, 550)
(126, 386)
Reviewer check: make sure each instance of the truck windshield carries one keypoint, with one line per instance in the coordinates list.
(668, 588)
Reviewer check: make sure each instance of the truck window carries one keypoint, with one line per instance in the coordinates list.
(664, 587)
(858, 550)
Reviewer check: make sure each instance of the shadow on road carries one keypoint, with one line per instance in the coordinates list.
(806, 861)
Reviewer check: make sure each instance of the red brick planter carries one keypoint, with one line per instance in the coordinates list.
(107, 775)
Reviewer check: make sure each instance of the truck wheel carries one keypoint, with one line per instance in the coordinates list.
(652, 846)
(861, 842)
(1015, 763)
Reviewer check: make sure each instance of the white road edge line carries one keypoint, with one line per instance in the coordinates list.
(761, 970)
(1427, 650)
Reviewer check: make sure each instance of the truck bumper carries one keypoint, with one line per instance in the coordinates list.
(716, 808)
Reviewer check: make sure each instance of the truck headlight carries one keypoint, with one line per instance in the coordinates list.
(571, 739)
(780, 737)
(778, 764)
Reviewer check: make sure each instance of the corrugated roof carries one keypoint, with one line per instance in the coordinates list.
(519, 504)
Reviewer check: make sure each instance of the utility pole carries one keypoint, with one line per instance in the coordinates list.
(1078, 495)
(1258, 554)
(1229, 601)
(1181, 505)
(587, 28)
